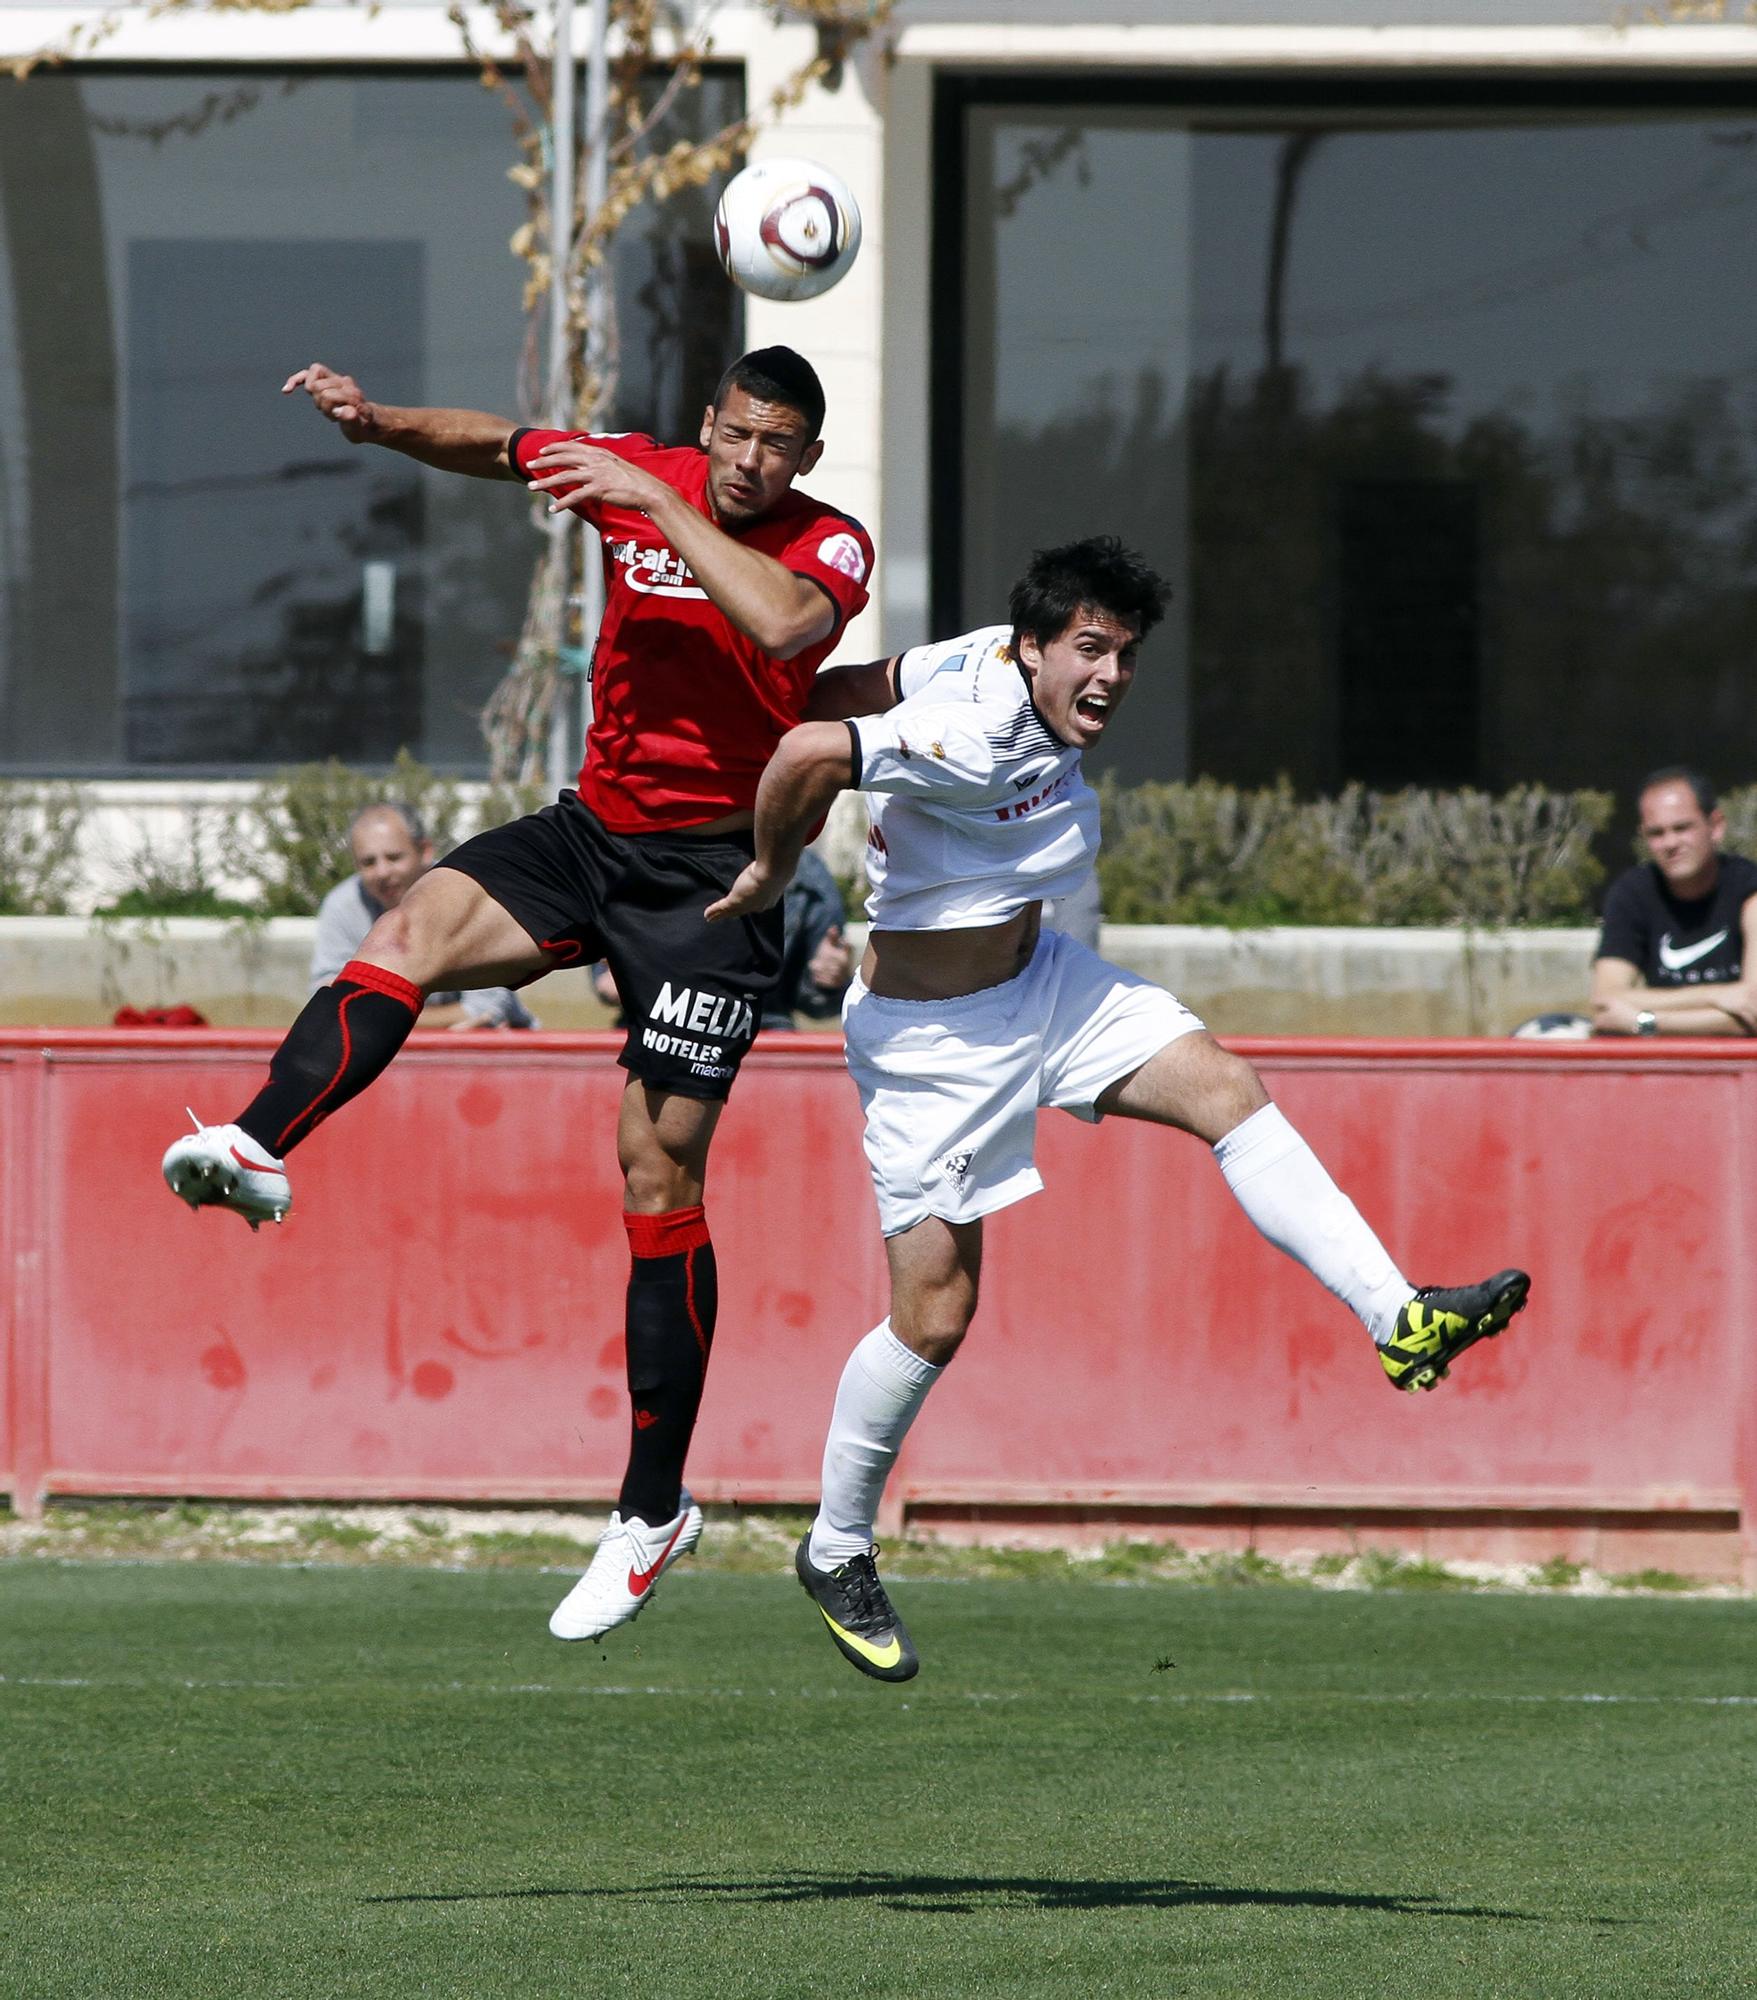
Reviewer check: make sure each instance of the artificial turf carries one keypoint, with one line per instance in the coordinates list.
(234, 1782)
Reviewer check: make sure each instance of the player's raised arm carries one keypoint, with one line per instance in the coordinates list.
(779, 611)
(810, 766)
(467, 441)
(842, 693)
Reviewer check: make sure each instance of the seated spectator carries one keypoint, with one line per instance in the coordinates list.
(1679, 929)
(391, 852)
(817, 962)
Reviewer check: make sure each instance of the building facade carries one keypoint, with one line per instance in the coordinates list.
(1414, 342)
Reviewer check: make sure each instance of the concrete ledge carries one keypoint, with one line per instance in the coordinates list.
(1311, 981)
(76, 971)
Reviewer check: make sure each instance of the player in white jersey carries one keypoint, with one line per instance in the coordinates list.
(968, 1014)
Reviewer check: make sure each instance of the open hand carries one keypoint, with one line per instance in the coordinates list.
(573, 472)
(756, 889)
(337, 397)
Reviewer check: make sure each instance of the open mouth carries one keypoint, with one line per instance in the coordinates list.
(1093, 709)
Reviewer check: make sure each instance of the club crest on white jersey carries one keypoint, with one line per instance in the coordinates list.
(977, 807)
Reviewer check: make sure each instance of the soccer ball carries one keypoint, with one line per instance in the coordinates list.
(786, 229)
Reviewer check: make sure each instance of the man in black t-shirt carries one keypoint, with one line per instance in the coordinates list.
(1680, 930)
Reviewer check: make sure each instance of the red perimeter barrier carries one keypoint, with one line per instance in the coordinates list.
(441, 1316)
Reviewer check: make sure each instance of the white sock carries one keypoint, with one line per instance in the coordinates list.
(1281, 1185)
(882, 1387)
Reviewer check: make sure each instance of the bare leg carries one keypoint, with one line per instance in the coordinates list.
(936, 1273)
(448, 931)
(1193, 1084)
(1199, 1087)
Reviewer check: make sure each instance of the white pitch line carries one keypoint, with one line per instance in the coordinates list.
(629, 1690)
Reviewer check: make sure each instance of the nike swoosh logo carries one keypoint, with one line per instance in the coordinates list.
(1675, 957)
(640, 1581)
(880, 1656)
(257, 1166)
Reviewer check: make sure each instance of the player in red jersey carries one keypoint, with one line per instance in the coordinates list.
(725, 589)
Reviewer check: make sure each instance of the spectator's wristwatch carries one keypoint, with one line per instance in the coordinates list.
(1646, 1022)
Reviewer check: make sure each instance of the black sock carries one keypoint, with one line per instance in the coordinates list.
(346, 1034)
(673, 1297)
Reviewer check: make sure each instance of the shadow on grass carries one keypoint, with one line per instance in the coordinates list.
(958, 1895)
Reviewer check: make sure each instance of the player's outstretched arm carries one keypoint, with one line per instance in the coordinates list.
(841, 693)
(811, 764)
(466, 441)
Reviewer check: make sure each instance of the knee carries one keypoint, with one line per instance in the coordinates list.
(1232, 1092)
(656, 1177)
(936, 1347)
(396, 941)
(934, 1327)
(655, 1183)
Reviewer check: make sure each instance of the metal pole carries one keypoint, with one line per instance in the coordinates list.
(562, 144)
(597, 334)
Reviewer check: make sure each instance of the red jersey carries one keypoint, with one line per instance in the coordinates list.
(686, 710)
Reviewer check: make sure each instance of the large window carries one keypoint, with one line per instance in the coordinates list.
(197, 575)
(1441, 417)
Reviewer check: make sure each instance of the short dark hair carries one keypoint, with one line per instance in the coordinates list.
(1707, 798)
(778, 375)
(1098, 574)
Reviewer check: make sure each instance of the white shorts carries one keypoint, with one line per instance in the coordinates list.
(951, 1087)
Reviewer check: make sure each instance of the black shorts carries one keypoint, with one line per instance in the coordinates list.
(693, 991)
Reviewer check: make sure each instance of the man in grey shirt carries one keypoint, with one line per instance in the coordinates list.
(392, 852)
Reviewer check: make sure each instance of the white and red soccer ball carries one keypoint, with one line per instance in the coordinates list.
(786, 229)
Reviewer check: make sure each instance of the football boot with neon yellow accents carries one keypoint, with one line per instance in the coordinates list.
(867, 1632)
(1441, 1321)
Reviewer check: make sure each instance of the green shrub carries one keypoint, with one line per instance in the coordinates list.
(1740, 807)
(39, 847)
(291, 841)
(1209, 853)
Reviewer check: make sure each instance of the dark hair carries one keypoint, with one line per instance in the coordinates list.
(1098, 574)
(407, 814)
(778, 375)
(1681, 774)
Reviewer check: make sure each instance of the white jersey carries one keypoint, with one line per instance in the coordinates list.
(977, 809)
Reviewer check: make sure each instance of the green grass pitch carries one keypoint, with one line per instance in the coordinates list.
(232, 1782)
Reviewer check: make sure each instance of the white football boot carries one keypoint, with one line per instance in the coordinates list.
(218, 1166)
(630, 1560)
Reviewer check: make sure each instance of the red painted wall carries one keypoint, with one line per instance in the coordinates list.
(441, 1316)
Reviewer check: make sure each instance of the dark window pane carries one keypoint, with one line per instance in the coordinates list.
(196, 574)
(1406, 631)
(1443, 419)
(245, 638)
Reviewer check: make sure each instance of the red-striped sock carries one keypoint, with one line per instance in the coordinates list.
(673, 1300)
(346, 1034)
